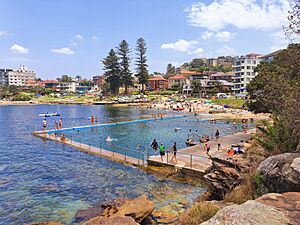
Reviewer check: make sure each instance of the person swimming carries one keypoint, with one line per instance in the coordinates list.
(109, 139)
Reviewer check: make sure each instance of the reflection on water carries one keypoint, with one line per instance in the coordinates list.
(43, 180)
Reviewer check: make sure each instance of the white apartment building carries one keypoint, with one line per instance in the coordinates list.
(243, 69)
(17, 77)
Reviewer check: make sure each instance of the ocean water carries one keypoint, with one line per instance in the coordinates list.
(43, 180)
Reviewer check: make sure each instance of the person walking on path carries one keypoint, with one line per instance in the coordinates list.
(174, 152)
(207, 147)
(44, 123)
(154, 145)
(217, 134)
(60, 123)
(162, 151)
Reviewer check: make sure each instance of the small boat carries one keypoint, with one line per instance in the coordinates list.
(48, 114)
(190, 142)
(177, 128)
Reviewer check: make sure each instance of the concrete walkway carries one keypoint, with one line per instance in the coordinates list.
(115, 156)
(195, 158)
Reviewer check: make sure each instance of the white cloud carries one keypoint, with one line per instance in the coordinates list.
(73, 43)
(65, 51)
(3, 33)
(269, 14)
(18, 49)
(224, 36)
(95, 37)
(225, 50)
(207, 35)
(279, 41)
(199, 52)
(181, 45)
(79, 37)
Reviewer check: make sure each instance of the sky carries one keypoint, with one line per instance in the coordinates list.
(56, 37)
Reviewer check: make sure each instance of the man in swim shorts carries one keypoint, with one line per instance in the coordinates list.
(162, 151)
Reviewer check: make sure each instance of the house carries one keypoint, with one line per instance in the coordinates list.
(157, 83)
(222, 76)
(67, 86)
(50, 84)
(269, 57)
(178, 81)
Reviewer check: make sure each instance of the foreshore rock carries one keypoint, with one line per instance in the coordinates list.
(46, 223)
(223, 176)
(281, 173)
(269, 209)
(124, 210)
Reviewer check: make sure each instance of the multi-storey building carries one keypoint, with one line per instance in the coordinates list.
(243, 69)
(16, 77)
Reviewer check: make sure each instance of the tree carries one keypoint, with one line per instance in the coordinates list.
(126, 76)
(197, 63)
(293, 29)
(197, 86)
(276, 89)
(66, 78)
(112, 71)
(170, 70)
(141, 63)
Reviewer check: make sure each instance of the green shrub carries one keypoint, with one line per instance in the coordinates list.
(21, 97)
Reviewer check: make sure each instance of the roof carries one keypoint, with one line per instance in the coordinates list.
(177, 77)
(50, 81)
(219, 74)
(271, 54)
(158, 78)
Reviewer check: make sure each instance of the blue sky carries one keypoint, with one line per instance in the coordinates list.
(55, 37)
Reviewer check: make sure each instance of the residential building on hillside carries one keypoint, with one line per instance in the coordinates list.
(225, 61)
(178, 81)
(199, 76)
(67, 86)
(212, 63)
(222, 76)
(244, 71)
(269, 57)
(17, 77)
(52, 84)
(157, 83)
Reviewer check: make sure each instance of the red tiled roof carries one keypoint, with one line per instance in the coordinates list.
(158, 78)
(50, 81)
(177, 77)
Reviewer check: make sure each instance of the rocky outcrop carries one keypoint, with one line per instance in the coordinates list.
(124, 220)
(269, 209)
(123, 209)
(223, 176)
(46, 223)
(281, 173)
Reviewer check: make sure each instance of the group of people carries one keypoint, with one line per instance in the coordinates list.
(94, 119)
(58, 124)
(162, 150)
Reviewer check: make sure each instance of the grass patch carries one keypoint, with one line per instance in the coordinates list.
(198, 213)
(232, 102)
(240, 194)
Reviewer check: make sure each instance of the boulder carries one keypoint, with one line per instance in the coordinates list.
(115, 220)
(137, 209)
(281, 173)
(269, 209)
(223, 176)
(46, 223)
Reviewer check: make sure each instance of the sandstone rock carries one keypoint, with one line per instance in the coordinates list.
(115, 220)
(138, 208)
(281, 173)
(46, 223)
(223, 176)
(165, 217)
(269, 209)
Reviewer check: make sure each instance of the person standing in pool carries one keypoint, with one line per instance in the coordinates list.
(207, 150)
(162, 151)
(44, 123)
(56, 125)
(154, 145)
(92, 120)
(174, 152)
(60, 123)
(217, 134)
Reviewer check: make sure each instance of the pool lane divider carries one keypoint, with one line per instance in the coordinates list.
(113, 124)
